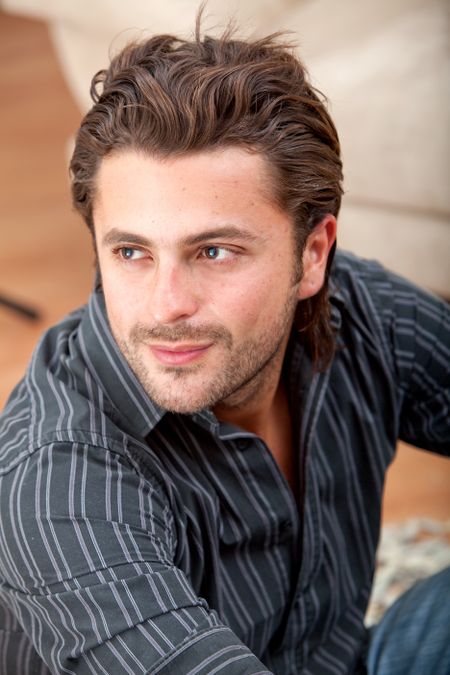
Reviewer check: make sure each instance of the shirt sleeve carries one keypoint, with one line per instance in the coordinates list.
(86, 563)
(416, 328)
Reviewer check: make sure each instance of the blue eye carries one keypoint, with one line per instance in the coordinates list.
(129, 253)
(212, 252)
(219, 253)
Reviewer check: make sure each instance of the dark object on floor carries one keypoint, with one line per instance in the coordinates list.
(23, 310)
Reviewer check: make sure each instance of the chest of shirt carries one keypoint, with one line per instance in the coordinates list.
(246, 547)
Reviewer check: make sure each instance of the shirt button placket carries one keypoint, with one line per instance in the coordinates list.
(243, 444)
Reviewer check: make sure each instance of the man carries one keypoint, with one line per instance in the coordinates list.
(192, 468)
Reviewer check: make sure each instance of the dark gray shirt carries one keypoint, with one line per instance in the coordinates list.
(135, 541)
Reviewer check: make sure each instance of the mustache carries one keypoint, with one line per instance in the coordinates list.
(182, 332)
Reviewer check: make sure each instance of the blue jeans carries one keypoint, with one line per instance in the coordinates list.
(413, 637)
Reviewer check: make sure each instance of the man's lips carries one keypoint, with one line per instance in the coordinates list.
(178, 355)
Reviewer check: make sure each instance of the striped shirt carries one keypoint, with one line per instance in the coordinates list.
(133, 540)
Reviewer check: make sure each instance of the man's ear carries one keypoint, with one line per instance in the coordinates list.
(315, 256)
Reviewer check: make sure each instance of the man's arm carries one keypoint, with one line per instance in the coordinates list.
(87, 563)
(416, 327)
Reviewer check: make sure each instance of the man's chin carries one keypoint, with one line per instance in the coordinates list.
(177, 390)
(183, 399)
(181, 407)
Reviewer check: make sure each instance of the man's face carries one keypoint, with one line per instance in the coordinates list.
(198, 269)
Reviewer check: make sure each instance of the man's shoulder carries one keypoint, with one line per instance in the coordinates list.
(349, 269)
(387, 311)
(78, 391)
(360, 287)
(55, 401)
(355, 280)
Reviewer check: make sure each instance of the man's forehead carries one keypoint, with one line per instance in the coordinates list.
(231, 165)
(208, 190)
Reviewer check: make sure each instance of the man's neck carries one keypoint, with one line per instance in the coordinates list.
(252, 407)
(264, 411)
(255, 414)
(270, 421)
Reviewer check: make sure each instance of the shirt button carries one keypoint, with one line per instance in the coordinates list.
(242, 443)
(286, 529)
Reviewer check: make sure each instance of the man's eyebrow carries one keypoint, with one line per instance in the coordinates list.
(224, 232)
(116, 236)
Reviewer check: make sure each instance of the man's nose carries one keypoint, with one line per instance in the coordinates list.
(174, 295)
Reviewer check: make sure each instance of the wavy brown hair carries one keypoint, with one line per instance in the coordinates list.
(167, 96)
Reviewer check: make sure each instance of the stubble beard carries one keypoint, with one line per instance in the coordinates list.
(242, 371)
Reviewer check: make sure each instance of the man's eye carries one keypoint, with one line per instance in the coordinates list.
(128, 253)
(216, 253)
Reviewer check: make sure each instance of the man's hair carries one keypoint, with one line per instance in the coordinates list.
(168, 97)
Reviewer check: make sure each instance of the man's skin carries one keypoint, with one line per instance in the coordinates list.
(201, 279)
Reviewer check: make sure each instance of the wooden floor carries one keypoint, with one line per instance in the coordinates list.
(46, 259)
